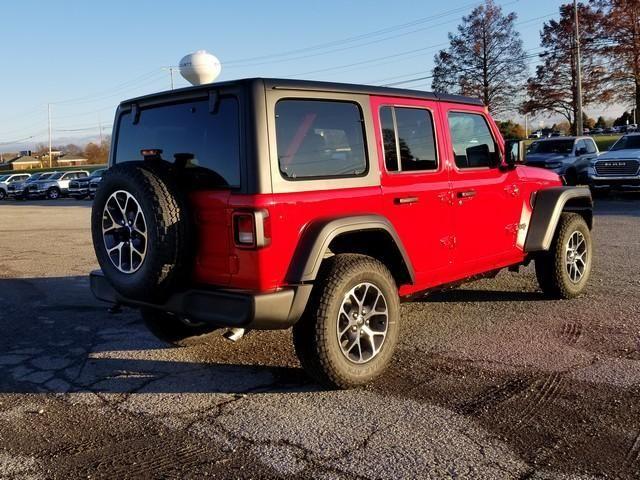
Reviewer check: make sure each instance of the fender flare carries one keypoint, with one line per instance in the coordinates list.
(547, 208)
(317, 237)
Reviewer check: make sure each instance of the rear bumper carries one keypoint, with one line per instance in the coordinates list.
(222, 308)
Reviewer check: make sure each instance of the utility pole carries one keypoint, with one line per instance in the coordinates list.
(526, 125)
(49, 115)
(100, 127)
(171, 69)
(578, 120)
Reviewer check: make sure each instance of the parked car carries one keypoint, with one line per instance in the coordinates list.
(569, 157)
(95, 183)
(80, 187)
(536, 134)
(619, 167)
(16, 190)
(597, 131)
(55, 186)
(267, 204)
(8, 179)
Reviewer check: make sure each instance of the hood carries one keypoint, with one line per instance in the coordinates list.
(545, 158)
(619, 154)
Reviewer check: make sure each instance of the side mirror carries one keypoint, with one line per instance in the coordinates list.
(514, 153)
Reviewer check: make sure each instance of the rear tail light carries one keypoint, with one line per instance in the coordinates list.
(251, 229)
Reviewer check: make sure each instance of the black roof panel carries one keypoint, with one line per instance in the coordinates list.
(289, 84)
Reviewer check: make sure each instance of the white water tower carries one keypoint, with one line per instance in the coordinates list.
(200, 67)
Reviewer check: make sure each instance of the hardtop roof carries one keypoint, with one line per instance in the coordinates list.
(312, 86)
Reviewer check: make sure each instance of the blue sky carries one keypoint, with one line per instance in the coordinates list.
(84, 57)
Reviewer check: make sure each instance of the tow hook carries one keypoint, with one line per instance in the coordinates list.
(234, 334)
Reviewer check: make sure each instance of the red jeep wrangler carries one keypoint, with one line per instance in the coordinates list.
(266, 204)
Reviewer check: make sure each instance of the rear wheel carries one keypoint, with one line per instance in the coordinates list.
(563, 271)
(349, 330)
(172, 328)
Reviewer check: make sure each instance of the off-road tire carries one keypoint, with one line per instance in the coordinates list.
(550, 266)
(169, 232)
(172, 329)
(315, 339)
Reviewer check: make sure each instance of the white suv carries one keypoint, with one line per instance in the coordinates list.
(5, 180)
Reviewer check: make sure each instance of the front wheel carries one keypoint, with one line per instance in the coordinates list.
(172, 328)
(349, 331)
(3, 194)
(563, 271)
(53, 194)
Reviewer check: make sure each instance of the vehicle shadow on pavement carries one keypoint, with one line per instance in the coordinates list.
(56, 338)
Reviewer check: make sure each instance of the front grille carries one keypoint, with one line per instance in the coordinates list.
(615, 168)
(93, 186)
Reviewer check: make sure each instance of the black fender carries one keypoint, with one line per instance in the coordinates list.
(317, 237)
(547, 208)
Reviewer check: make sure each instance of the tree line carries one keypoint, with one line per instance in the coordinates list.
(96, 153)
(486, 59)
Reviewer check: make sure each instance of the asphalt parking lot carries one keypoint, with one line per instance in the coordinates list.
(490, 381)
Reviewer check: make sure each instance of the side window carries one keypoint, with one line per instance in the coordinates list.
(413, 135)
(81, 174)
(320, 139)
(473, 144)
(579, 146)
(591, 147)
(389, 138)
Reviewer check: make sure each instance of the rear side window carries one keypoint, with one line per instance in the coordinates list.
(206, 142)
(473, 144)
(409, 130)
(319, 139)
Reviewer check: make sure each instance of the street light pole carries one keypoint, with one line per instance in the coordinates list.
(49, 116)
(578, 119)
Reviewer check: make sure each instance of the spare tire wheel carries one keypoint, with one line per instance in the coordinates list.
(141, 230)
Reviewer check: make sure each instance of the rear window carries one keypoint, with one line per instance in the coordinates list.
(206, 142)
(319, 139)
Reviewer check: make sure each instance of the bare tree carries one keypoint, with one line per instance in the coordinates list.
(485, 59)
(553, 89)
(621, 26)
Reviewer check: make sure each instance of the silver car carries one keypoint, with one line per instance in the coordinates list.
(8, 179)
(55, 186)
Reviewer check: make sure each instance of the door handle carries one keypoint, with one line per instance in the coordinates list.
(467, 194)
(405, 200)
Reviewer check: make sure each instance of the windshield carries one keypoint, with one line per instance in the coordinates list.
(628, 142)
(97, 173)
(54, 176)
(34, 177)
(3, 177)
(563, 147)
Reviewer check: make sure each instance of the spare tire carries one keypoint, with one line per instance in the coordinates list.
(141, 230)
